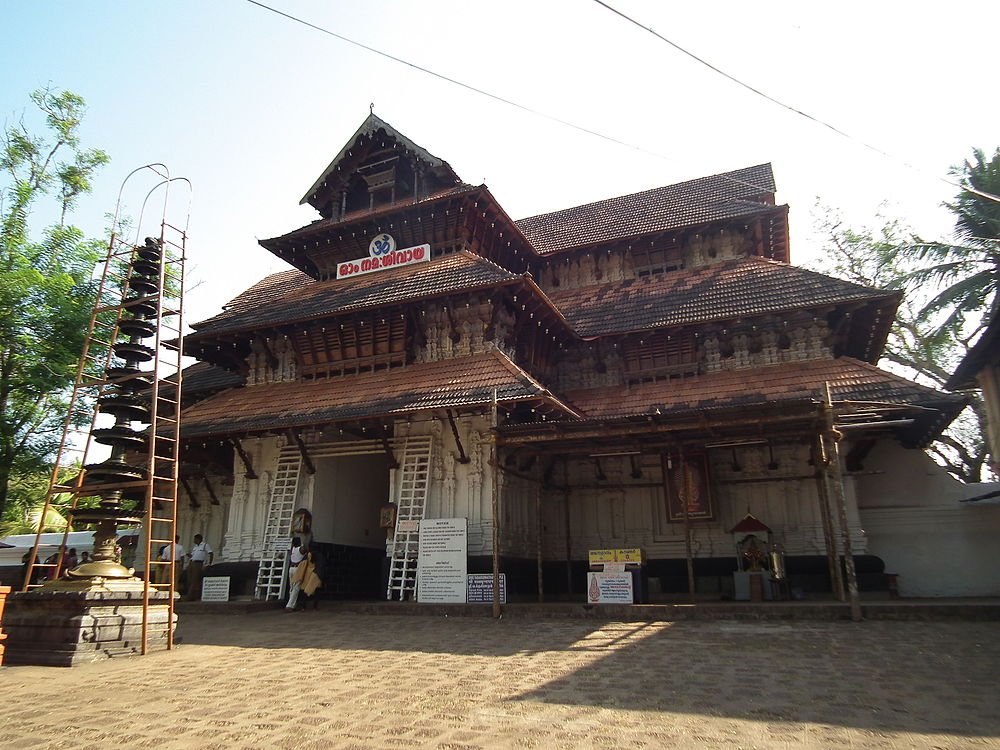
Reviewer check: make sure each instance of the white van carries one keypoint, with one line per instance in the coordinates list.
(14, 547)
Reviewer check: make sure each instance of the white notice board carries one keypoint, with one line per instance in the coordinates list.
(215, 589)
(609, 588)
(442, 560)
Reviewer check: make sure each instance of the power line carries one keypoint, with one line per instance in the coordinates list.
(482, 92)
(768, 97)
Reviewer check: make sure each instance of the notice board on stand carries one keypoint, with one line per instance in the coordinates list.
(443, 560)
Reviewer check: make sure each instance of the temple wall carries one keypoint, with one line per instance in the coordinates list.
(624, 512)
(915, 521)
(572, 271)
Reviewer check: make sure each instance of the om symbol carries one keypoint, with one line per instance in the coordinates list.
(383, 244)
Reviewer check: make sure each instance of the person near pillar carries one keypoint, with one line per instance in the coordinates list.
(199, 558)
(174, 552)
(296, 556)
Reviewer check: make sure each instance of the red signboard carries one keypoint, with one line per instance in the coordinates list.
(392, 259)
(693, 475)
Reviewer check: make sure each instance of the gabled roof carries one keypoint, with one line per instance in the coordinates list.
(730, 195)
(985, 352)
(461, 383)
(739, 288)
(370, 127)
(850, 380)
(312, 299)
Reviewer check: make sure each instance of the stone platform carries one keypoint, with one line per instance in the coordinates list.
(64, 628)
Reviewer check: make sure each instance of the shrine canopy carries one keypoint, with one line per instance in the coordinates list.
(750, 524)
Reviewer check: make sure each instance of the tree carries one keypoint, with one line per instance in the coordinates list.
(923, 348)
(46, 286)
(969, 268)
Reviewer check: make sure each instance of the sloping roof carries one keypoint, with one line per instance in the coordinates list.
(850, 380)
(316, 299)
(726, 290)
(265, 291)
(202, 377)
(450, 384)
(321, 226)
(985, 352)
(729, 195)
(370, 127)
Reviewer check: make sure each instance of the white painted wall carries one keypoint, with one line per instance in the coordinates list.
(914, 520)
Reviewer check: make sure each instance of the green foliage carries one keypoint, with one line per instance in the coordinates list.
(918, 345)
(46, 286)
(964, 273)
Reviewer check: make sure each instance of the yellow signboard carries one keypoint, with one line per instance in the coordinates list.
(602, 556)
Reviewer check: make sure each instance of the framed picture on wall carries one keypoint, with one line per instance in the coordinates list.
(699, 502)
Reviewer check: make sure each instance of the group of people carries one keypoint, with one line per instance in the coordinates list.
(189, 567)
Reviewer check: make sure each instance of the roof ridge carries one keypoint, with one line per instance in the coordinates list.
(704, 178)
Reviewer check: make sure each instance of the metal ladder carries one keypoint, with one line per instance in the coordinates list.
(414, 480)
(278, 526)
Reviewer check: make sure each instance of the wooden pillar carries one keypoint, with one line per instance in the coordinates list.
(569, 542)
(496, 512)
(686, 484)
(538, 536)
(832, 438)
(829, 537)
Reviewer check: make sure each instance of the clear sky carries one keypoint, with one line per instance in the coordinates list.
(251, 106)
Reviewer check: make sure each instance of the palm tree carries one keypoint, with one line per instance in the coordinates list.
(969, 269)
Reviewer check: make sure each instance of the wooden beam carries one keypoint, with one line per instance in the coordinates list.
(244, 457)
(296, 438)
(190, 492)
(211, 491)
(832, 438)
(462, 458)
(686, 485)
(393, 463)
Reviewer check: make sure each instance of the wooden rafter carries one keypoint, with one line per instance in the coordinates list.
(244, 457)
(462, 458)
(296, 438)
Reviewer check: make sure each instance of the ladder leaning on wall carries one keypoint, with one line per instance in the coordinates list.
(411, 497)
(278, 526)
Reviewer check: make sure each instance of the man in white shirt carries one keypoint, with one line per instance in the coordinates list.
(174, 552)
(200, 556)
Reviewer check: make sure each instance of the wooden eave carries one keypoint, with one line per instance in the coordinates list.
(469, 214)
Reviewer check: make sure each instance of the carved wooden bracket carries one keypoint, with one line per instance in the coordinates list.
(244, 457)
(462, 457)
(296, 438)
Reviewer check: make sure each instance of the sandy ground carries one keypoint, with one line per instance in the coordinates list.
(329, 680)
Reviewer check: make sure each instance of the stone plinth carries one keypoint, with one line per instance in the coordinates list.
(73, 624)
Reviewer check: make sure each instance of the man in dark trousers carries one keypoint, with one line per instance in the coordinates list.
(200, 557)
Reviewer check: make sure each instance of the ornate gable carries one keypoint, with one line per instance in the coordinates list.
(378, 167)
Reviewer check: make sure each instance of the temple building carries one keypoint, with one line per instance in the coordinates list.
(644, 372)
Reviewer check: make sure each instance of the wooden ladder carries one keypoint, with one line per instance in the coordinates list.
(411, 497)
(278, 526)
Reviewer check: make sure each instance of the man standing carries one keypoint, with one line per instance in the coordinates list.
(173, 552)
(201, 557)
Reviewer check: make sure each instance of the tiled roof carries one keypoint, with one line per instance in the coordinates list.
(449, 384)
(726, 290)
(316, 299)
(323, 225)
(985, 353)
(370, 127)
(850, 380)
(729, 195)
(264, 292)
(202, 377)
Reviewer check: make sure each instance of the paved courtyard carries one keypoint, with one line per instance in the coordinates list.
(336, 680)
